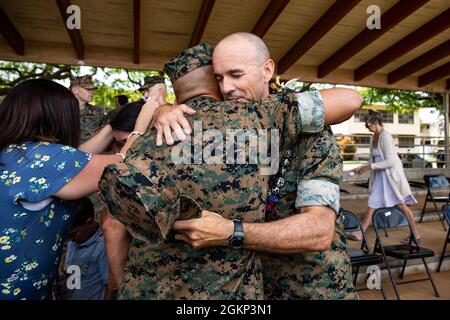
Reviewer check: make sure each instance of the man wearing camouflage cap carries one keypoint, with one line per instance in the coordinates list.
(160, 267)
(154, 88)
(91, 117)
(153, 84)
(309, 170)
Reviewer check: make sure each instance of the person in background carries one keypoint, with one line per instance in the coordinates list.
(92, 117)
(86, 249)
(389, 186)
(40, 168)
(123, 123)
(154, 87)
(120, 101)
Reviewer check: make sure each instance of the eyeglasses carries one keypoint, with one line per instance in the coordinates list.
(368, 125)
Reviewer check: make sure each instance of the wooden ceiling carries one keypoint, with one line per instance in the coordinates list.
(320, 41)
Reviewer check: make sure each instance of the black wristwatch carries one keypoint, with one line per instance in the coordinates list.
(237, 239)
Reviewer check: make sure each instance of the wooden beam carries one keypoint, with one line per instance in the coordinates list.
(10, 33)
(435, 74)
(75, 34)
(430, 29)
(202, 21)
(429, 57)
(325, 23)
(269, 16)
(389, 19)
(62, 53)
(136, 30)
(448, 84)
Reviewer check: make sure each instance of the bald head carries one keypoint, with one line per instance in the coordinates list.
(243, 67)
(249, 43)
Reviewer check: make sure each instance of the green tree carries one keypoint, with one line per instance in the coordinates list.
(12, 73)
(402, 101)
(110, 81)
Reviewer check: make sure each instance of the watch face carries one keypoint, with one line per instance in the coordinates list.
(236, 243)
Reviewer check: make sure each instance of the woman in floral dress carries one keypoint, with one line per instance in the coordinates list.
(40, 169)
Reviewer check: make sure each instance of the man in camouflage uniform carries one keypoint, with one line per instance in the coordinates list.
(92, 117)
(310, 172)
(154, 87)
(313, 275)
(145, 193)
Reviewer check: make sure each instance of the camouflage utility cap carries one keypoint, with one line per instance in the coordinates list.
(189, 60)
(83, 82)
(153, 200)
(151, 81)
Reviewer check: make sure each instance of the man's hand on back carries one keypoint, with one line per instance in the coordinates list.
(168, 118)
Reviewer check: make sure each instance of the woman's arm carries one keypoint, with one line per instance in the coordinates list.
(86, 182)
(388, 150)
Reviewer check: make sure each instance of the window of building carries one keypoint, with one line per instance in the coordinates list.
(363, 140)
(406, 142)
(407, 118)
(360, 115)
(386, 117)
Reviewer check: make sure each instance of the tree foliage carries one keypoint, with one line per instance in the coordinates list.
(110, 81)
(12, 73)
(115, 81)
(402, 101)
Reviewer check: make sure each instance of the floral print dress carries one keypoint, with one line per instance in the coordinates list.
(33, 224)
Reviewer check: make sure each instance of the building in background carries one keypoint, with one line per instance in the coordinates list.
(408, 130)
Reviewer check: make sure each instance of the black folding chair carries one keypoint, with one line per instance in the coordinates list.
(446, 211)
(360, 257)
(395, 218)
(434, 199)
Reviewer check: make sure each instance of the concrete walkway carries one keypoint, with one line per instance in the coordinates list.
(413, 291)
(433, 237)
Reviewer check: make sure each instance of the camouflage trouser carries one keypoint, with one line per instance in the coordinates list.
(320, 276)
(178, 272)
(311, 276)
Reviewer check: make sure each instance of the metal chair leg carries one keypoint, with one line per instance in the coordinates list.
(392, 279)
(441, 219)
(382, 290)
(356, 276)
(436, 292)
(443, 253)
(424, 207)
(403, 269)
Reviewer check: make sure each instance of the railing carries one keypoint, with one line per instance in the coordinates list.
(432, 152)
